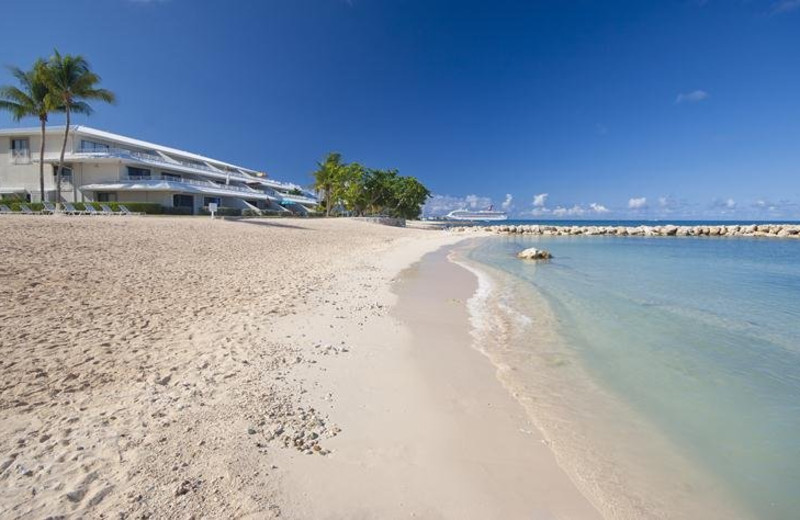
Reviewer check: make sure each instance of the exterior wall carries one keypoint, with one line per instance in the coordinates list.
(88, 170)
(27, 175)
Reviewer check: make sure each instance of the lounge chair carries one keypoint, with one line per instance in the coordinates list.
(125, 211)
(91, 211)
(105, 210)
(5, 210)
(69, 209)
(26, 210)
(49, 207)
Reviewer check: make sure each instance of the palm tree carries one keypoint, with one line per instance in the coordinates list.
(30, 99)
(71, 83)
(326, 176)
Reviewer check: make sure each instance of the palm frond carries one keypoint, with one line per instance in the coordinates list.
(81, 107)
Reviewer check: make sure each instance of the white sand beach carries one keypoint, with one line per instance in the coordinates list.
(189, 368)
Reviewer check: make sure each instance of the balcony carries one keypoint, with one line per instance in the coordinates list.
(157, 160)
(285, 197)
(170, 183)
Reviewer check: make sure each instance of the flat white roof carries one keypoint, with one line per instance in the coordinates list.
(101, 134)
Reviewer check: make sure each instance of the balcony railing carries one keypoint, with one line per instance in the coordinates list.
(145, 157)
(194, 182)
(20, 156)
(155, 158)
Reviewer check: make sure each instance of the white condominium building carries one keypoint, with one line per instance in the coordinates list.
(105, 167)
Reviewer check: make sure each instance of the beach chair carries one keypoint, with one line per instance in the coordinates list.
(105, 210)
(69, 209)
(123, 210)
(26, 210)
(49, 207)
(5, 210)
(91, 211)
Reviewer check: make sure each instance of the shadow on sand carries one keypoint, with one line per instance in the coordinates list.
(270, 223)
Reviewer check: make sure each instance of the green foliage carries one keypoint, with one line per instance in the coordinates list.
(326, 177)
(177, 210)
(14, 206)
(71, 83)
(222, 211)
(365, 191)
(32, 98)
(150, 208)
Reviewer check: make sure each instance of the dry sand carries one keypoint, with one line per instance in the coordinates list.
(183, 367)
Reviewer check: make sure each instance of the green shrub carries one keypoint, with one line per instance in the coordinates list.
(222, 211)
(178, 210)
(14, 206)
(150, 208)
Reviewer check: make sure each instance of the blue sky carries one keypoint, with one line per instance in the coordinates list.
(573, 108)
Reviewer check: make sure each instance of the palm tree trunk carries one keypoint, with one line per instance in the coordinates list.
(41, 161)
(61, 160)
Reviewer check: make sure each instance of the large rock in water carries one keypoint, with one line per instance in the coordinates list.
(534, 254)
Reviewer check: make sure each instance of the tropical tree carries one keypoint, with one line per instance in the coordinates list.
(71, 84)
(409, 195)
(325, 178)
(349, 187)
(31, 99)
(365, 190)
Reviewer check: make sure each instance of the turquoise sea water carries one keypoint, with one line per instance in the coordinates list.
(665, 372)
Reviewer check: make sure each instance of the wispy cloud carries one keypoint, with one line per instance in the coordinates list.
(439, 205)
(692, 97)
(637, 203)
(540, 200)
(785, 6)
(598, 208)
(508, 203)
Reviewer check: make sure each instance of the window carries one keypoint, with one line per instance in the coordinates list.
(138, 173)
(171, 177)
(20, 150)
(106, 196)
(66, 173)
(21, 144)
(183, 201)
(209, 200)
(93, 146)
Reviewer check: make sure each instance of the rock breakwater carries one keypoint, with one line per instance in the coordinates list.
(732, 230)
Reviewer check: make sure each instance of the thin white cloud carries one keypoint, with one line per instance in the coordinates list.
(540, 200)
(637, 203)
(598, 208)
(692, 97)
(785, 6)
(507, 204)
(574, 211)
(439, 205)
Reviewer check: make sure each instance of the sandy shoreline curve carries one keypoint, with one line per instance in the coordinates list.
(181, 367)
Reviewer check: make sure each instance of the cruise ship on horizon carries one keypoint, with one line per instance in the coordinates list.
(483, 215)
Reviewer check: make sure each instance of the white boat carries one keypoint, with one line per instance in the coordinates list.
(483, 215)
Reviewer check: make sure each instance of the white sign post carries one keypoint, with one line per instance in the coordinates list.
(212, 207)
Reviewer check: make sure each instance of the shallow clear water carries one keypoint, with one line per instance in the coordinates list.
(678, 358)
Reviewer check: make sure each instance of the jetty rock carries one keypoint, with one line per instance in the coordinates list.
(782, 231)
(534, 254)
